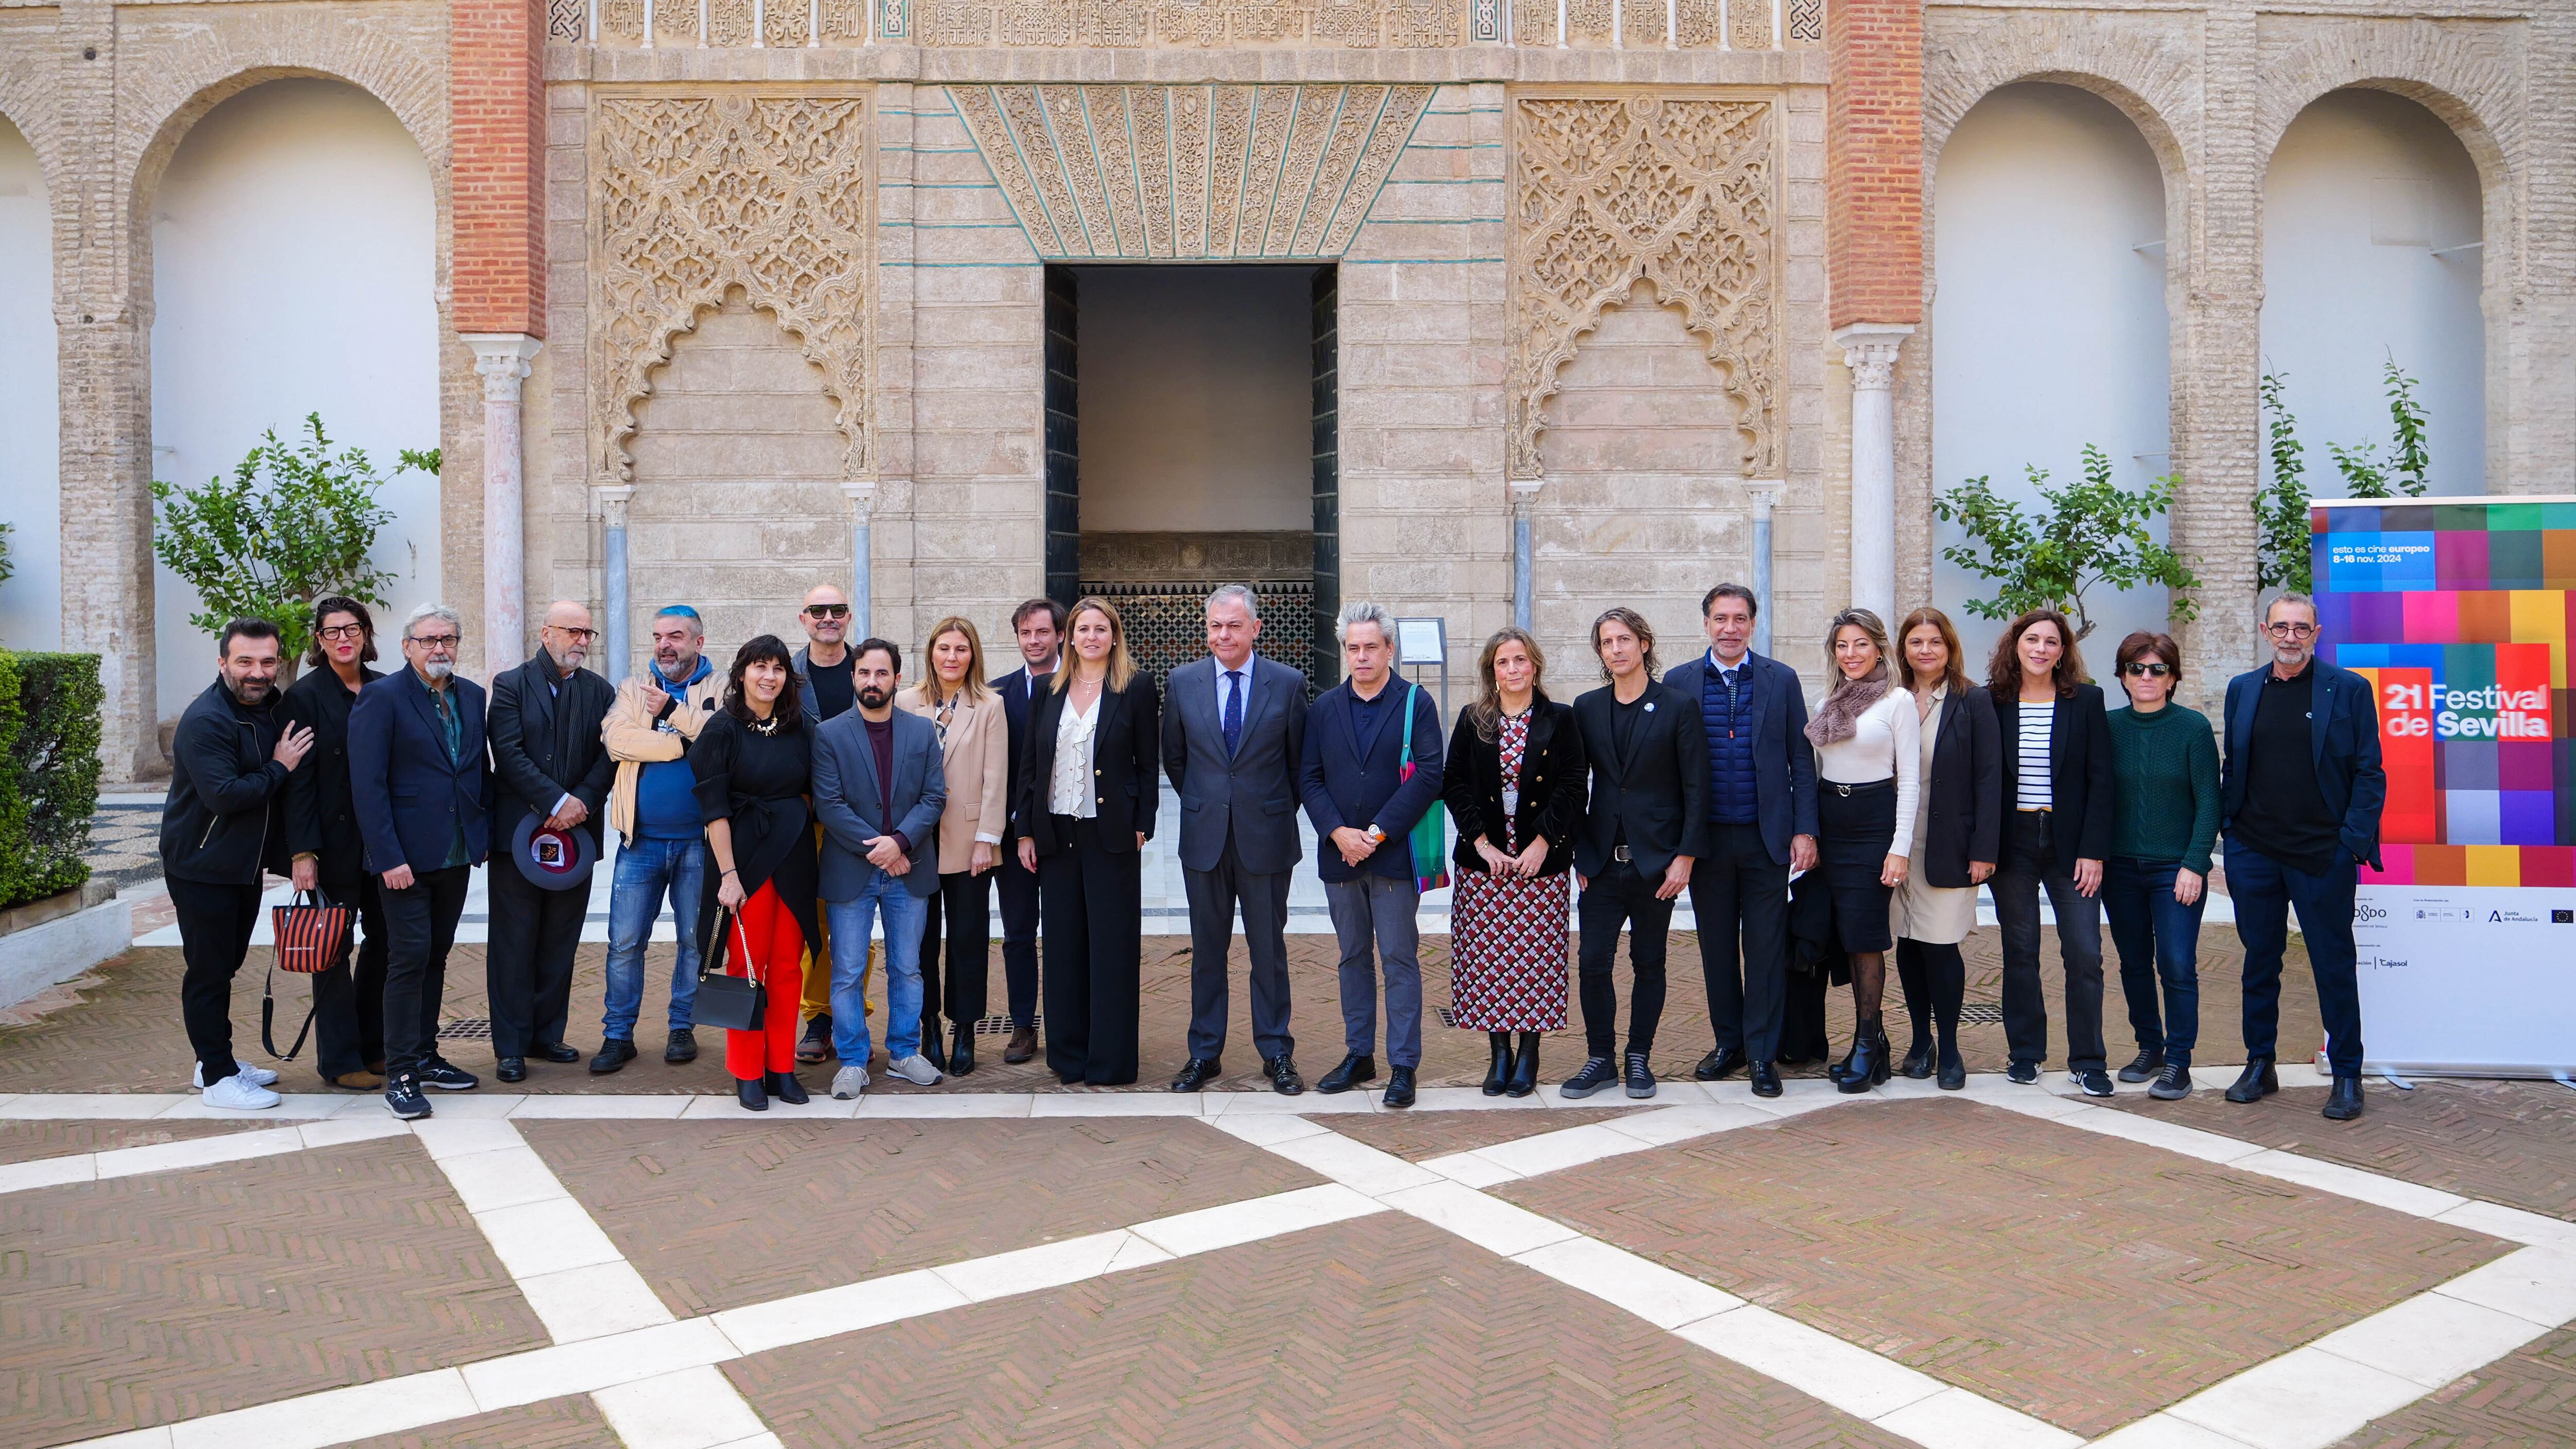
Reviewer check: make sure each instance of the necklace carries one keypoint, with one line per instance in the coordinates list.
(767, 726)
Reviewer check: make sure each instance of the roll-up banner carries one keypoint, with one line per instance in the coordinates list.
(2459, 612)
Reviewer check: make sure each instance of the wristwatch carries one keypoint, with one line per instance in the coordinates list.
(1375, 835)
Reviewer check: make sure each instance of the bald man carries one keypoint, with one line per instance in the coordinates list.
(549, 761)
(825, 681)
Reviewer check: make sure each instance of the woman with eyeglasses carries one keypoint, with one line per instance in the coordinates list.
(2164, 762)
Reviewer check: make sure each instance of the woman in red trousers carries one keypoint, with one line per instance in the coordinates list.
(753, 763)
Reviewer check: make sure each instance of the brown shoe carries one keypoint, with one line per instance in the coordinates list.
(1022, 1045)
(357, 1082)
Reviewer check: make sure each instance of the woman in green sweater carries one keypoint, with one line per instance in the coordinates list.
(2164, 764)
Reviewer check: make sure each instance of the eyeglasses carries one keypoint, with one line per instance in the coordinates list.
(581, 636)
(435, 641)
(827, 611)
(343, 631)
(2283, 629)
(2141, 669)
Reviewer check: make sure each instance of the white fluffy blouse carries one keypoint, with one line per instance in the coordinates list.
(1887, 740)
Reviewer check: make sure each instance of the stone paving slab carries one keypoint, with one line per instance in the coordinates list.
(2507, 1142)
(1418, 1136)
(717, 1215)
(149, 1299)
(33, 1141)
(571, 1422)
(2525, 1400)
(2083, 1281)
(1383, 1330)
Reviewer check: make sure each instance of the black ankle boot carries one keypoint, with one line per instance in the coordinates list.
(1867, 1062)
(750, 1092)
(1524, 1067)
(785, 1087)
(1835, 1071)
(1498, 1075)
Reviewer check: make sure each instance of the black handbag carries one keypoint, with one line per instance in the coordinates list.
(736, 1003)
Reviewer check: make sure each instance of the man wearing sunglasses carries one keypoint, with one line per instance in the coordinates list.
(2300, 797)
(827, 681)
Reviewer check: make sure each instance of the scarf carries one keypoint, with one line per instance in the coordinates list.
(1839, 718)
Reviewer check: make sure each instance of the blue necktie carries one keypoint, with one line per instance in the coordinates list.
(1233, 711)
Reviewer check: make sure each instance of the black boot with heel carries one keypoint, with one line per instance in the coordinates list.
(1498, 1075)
(1524, 1067)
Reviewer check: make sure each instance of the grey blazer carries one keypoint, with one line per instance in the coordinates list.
(1253, 792)
(845, 800)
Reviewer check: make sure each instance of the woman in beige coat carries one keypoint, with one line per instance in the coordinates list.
(975, 745)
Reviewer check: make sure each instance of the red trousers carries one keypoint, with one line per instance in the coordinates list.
(777, 949)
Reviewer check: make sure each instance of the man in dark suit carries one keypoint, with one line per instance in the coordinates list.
(1039, 627)
(2300, 799)
(1761, 826)
(421, 780)
(1364, 805)
(1649, 810)
(550, 762)
(1234, 737)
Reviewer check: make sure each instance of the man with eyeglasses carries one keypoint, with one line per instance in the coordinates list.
(653, 807)
(827, 682)
(2300, 799)
(551, 762)
(421, 781)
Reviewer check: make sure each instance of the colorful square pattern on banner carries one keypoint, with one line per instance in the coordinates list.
(2459, 612)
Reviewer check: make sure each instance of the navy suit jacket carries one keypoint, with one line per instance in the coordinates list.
(410, 797)
(846, 801)
(1016, 689)
(1784, 764)
(1350, 781)
(2343, 740)
(1251, 792)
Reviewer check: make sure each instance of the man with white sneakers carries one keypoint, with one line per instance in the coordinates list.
(222, 832)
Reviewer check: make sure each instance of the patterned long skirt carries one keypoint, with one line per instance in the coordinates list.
(1508, 946)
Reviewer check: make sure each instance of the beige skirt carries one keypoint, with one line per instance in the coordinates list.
(1934, 915)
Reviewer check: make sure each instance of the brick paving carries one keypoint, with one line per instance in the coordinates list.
(30, 1141)
(572, 1422)
(2525, 1400)
(143, 1300)
(716, 1216)
(1415, 1136)
(2507, 1142)
(2080, 1280)
(1382, 1330)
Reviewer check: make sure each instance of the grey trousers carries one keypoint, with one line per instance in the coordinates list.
(1213, 894)
(1376, 910)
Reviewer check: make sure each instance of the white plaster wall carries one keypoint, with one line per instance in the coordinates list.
(293, 270)
(2363, 188)
(31, 601)
(2050, 323)
(1196, 397)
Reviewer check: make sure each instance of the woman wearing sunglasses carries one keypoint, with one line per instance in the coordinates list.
(2164, 767)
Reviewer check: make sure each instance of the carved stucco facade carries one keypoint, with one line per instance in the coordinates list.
(865, 285)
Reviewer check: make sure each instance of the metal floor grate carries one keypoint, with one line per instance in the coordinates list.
(465, 1028)
(1981, 1013)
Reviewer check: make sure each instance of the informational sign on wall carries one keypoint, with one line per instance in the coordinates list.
(2459, 612)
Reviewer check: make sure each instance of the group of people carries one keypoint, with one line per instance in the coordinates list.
(799, 803)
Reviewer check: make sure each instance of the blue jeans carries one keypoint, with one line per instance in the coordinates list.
(2264, 891)
(646, 871)
(884, 898)
(2159, 940)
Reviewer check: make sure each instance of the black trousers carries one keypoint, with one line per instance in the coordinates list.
(1736, 888)
(527, 970)
(1621, 897)
(420, 927)
(1934, 979)
(963, 908)
(1094, 950)
(215, 923)
(1019, 891)
(2030, 866)
(349, 999)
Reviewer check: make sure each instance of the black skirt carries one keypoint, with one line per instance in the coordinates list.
(1853, 855)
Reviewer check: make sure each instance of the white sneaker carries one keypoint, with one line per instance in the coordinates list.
(849, 1082)
(256, 1076)
(917, 1070)
(239, 1094)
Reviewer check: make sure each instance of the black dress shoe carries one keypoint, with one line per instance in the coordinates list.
(1498, 1072)
(1022, 1046)
(1196, 1075)
(1766, 1080)
(752, 1094)
(511, 1069)
(1282, 1072)
(1640, 1076)
(1918, 1062)
(557, 1053)
(1718, 1065)
(1953, 1074)
(2256, 1082)
(816, 1044)
(1592, 1076)
(1399, 1088)
(2344, 1102)
(682, 1048)
(961, 1050)
(2146, 1065)
(785, 1087)
(1354, 1070)
(615, 1052)
(1524, 1067)
(447, 1076)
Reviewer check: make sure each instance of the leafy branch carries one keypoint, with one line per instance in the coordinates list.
(2090, 533)
(2281, 506)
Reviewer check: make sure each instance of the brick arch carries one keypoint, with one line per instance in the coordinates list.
(2147, 71)
(25, 80)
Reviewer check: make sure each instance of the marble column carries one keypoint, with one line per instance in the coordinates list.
(1524, 501)
(1765, 494)
(617, 647)
(1869, 349)
(863, 507)
(502, 358)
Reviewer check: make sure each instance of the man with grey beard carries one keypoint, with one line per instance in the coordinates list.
(549, 762)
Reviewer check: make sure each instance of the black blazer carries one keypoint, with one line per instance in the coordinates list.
(1965, 794)
(411, 799)
(1784, 763)
(547, 744)
(1126, 763)
(2081, 792)
(1660, 798)
(1551, 784)
(1018, 689)
(320, 820)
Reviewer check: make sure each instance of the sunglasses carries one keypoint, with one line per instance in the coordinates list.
(2142, 669)
(827, 611)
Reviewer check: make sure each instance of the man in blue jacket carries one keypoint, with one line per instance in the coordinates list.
(1364, 808)
(2300, 797)
(421, 782)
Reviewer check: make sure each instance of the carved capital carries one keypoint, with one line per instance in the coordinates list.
(1765, 495)
(612, 503)
(1869, 350)
(503, 360)
(862, 493)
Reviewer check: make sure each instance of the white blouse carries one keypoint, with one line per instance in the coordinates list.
(1069, 789)
(1887, 740)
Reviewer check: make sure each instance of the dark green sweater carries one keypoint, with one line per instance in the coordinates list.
(2166, 768)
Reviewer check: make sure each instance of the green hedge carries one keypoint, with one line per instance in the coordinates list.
(49, 721)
